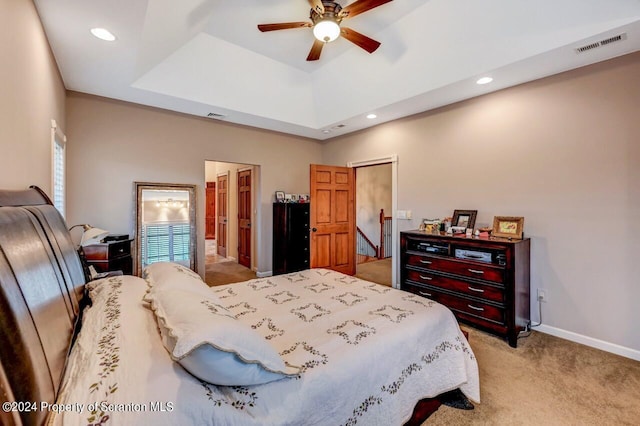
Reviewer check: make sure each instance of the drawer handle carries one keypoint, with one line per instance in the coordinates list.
(475, 308)
(475, 271)
(121, 250)
(479, 290)
(425, 278)
(426, 262)
(423, 293)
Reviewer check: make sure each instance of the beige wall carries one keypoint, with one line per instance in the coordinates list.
(564, 152)
(113, 144)
(32, 95)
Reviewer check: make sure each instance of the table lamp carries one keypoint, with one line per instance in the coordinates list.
(90, 235)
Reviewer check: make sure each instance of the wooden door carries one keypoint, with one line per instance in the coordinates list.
(210, 211)
(244, 218)
(222, 215)
(333, 243)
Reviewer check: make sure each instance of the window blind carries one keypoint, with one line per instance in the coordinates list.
(165, 243)
(58, 168)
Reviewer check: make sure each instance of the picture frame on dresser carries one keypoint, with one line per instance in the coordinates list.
(279, 196)
(464, 218)
(430, 225)
(508, 227)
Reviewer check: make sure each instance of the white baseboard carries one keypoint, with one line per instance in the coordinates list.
(590, 341)
(264, 274)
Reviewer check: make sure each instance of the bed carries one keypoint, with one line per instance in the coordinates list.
(355, 352)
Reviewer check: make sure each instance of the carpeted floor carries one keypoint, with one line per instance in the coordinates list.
(377, 272)
(219, 270)
(548, 381)
(227, 272)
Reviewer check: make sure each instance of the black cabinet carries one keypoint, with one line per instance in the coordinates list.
(290, 237)
(111, 256)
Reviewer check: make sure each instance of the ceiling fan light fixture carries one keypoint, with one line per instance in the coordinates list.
(326, 30)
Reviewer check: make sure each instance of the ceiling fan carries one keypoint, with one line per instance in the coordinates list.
(326, 17)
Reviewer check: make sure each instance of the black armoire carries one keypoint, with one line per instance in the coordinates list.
(290, 237)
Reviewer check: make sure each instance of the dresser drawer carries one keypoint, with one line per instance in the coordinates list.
(122, 263)
(461, 304)
(119, 248)
(106, 251)
(467, 269)
(482, 291)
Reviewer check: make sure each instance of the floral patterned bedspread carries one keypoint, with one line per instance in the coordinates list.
(368, 353)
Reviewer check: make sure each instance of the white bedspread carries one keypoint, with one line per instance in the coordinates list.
(368, 353)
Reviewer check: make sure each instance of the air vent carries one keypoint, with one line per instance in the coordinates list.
(611, 40)
(216, 116)
(339, 126)
(601, 43)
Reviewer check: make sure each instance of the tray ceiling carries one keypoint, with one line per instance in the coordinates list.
(205, 57)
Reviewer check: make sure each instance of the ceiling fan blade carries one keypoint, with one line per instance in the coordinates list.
(317, 6)
(360, 6)
(316, 49)
(368, 44)
(283, 26)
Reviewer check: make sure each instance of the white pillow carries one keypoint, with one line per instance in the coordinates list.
(169, 275)
(210, 343)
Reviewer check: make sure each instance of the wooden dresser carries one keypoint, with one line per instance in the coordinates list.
(111, 256)
(484, 281)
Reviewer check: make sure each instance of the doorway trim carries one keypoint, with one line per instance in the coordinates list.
(226, 238)
(393, 159)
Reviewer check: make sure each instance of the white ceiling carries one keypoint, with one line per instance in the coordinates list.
(202, 56)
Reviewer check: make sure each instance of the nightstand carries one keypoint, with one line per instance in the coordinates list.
(111, 256)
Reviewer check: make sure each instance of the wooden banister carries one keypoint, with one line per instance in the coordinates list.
(368, 241)
(383, 219)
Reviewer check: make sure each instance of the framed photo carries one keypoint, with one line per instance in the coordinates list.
(464, 218)
(507, 227)
(430, 226)
(279, 196)
(287, 198)
(458, 230)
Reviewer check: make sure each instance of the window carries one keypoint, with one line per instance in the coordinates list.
(58, 167)
(165, 243)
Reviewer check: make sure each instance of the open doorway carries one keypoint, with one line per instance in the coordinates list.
(374, 206)
(231, 209)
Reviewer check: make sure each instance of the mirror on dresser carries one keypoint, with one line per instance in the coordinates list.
(165, 218)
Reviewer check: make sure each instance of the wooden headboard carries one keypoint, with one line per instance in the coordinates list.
(41, 284)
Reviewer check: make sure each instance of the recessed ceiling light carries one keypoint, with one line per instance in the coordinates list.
(484, 80)
(103, 34)
(326, 132)
(371, 116)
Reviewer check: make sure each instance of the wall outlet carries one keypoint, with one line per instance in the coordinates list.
(542, 295)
